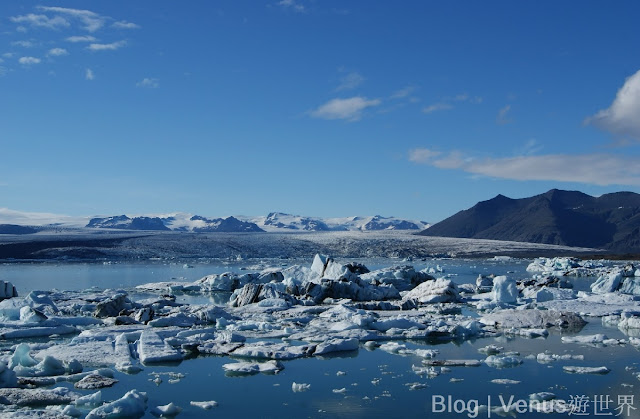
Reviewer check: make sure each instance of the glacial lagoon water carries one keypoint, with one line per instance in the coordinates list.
(368, 383)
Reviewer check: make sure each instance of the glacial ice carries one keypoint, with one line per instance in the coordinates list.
(240, 368)
(300, 387)
(504, 290)
(206, 405)
(586, 370)
(132, 405)
(168, 410)
(152, 348)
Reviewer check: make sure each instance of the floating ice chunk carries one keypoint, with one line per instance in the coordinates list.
(151, 348)
(397, 322)
(342, 390)
(168, 410)
(37, 397)
(41, 301)
(586, 370)
(629, 321)
(340, 373)
(93, 399)
(32, 332)
(532, 318)
(23, 364)
(453, 362)
(504, 381)
(416, 386)
(528, 332)
(125, 362)
(426, 353)
(337, 345)
(491, 349)
(206, 405)
(95, 381)
(272, 367)
(112, 306)
(504, 290)
(542, 396)
(607, 283)
(546, 358)
(264, 350)
(586, 339)
(439, 291)
(503, 361)
(300, 387)
(403, 278)
(7, 290)
(132, 405)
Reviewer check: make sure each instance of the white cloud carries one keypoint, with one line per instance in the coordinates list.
(88, 74)
(23, 44)
(85, 38)
(349, 109)
(29, 60)
(107, 47)
(594, 169)
(90, 20)
(149, 83)
(57, 52)
(123, 24)
(402, 93)
(437, 107)
(291, 4)
(41, 21)
(350, 81)
(623, 116)
(502, 117)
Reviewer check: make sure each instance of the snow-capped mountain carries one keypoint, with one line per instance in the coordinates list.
(180, 221)
(176, 222)
(278, 221)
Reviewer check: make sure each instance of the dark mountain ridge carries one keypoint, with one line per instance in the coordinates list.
(570, 218)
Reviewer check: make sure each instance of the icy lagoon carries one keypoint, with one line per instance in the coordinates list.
(323, 338)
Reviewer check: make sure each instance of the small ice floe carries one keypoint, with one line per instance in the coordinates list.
(342, 390)
(452, 362)
(504, 381)
(547, 357)
(95, 381)
(586, 339)
(340, 373)
(337, 345)
(167, 411)
(503, 361)
(248, 368)
(491, 349)
(542, 396)
(206, 405)
(504, 290)
(439, 291)
(132, 404)
(93, 399)
(586, 370)
(27, 397)
(375, 381)
(300, 387)
(416, 386)
(152, 349)
(456, 380)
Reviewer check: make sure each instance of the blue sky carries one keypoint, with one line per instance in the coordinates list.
(328, 108)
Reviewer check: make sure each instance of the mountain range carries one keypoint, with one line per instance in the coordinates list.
(571, 218)
(15, 222)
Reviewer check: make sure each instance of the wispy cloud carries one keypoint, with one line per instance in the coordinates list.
(80, 38)
(447, 103)
(348, 109)
(123, 24)
(88, 74)
(402, 93)
(441, 106)
(503, 118)
(149, 83)
(41, 21)
(24, 44)
(622, 118)
(90, 21)
(594, 169)
(107, 47)
(29, 60)
(350, 81)
(57, 52)
(291, 5)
